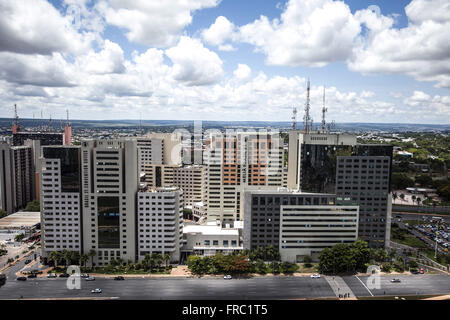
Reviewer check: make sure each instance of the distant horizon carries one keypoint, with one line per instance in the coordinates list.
(222, 121)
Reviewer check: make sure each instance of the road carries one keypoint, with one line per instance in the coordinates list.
(409, 285)
(219, 289)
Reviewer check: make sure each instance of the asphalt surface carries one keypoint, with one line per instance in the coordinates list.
(418, 284)
(219, 289)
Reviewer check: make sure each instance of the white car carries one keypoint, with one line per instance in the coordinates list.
(90, 279)
(51, 275)
(98, 290)
(315, 275)
(227, 277)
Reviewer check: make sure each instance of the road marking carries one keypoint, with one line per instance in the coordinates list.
(364, 285)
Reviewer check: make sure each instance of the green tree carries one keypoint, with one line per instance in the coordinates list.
(84, 258)
(92, 253)
(394, 196)
(3, 213)
(66, 255)
(402, 197)
(401, 181)
(33, 206)
(167, 259)
(424, 180)
(19, 237)
(307, 260)
(55, 256)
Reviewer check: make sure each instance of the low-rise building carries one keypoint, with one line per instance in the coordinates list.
(210, 238)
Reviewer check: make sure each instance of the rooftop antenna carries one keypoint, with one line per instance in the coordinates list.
(307, 118)
(324, 110)
(67, 114)
(294, 118)
(15, 126)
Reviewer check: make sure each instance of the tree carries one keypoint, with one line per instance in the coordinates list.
(166, 259)
(424, 180)
(401, 181)
(394, 196)
(33, 206)
(83, 259)
(92, 253)
(307, 261)
(66, 255)
(402, 197)
(3, 213)
(55, 256)
(19, 237)
(418, 200)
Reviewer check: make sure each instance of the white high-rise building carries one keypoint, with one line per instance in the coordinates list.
(60, 199)
(160, 222)
(109, 185)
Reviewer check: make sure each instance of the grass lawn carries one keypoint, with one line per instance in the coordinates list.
(303, 269)
(103, 270)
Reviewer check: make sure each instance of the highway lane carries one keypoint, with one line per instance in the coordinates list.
(409, 285)
(174, 289)
(219, 289)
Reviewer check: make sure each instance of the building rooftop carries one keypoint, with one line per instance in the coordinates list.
(20, 220)
(210, 230)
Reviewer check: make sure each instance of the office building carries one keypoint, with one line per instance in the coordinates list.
(263, 212)
(160, 225)
(191, 180)
(109, 185)
(314, 165)
(235, 161)
(46, 138)
(16, 177)
(307, 230)
(60, 198)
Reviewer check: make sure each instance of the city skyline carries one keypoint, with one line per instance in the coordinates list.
(384, 64)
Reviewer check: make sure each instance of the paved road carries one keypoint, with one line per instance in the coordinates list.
(218, 289)
(409, 285)
(421, 236)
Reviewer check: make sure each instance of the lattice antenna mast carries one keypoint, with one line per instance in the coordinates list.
(16, 116)
(324, 110)
(307, 118)
(67, 115)
(294, 118)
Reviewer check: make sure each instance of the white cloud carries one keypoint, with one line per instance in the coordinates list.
(242, 72)
(310, 33)
(109, 60)
(193, 64)
(219, 32)
(35, 26)
(418, 98)
(421, 49)
(367, 94)
(153, 23)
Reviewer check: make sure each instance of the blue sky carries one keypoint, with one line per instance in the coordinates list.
(227, 60)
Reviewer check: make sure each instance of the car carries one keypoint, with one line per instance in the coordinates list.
(395, 280)
(51, 275)
(32, 275)
(119, 278)
(315, 276)
(21, 278)
(421, 271)
(84, 275)
(27, 261)
(90, 279)
(227, 277)
(97, 290)
(64, 275)
(414, 271)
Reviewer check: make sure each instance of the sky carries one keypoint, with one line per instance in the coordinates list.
(377, 61)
